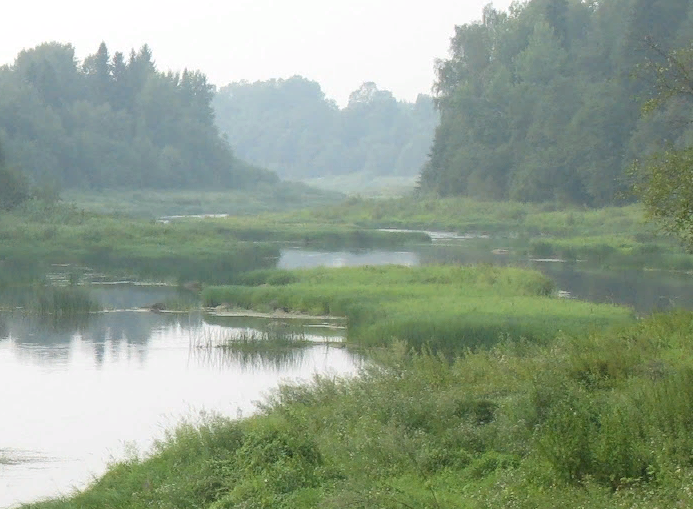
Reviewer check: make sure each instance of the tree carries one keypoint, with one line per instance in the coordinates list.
(664, 179)
(106, 123)
(99, 74)
(288, 125)
(14, 188)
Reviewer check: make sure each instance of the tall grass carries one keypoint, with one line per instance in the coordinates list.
(277, 345)
(442, 308)
(48, 300)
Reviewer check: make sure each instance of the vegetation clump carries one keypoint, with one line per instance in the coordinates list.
(441, 308)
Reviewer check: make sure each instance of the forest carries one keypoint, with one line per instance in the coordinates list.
(543, 102)
(113, 121)
(289, 126)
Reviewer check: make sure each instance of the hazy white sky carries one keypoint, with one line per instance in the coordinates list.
(338, 43)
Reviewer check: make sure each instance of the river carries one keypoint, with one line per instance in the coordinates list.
(78, 396)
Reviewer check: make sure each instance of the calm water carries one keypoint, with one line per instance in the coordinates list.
(77, 396)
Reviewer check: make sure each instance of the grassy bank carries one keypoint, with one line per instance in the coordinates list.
(206, 250)
(444, 308)
(469, 215)
(612, 237)
(313, 235)
(590, 420)
(37, 236)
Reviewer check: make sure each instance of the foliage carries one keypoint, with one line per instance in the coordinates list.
(536, 103)
(589, 421)
(663, 180)
(112, 121)
(14, 188)
(290, 127)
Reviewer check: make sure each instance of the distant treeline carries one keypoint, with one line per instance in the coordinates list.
(113, 121)
(289, 126)
(543, 102)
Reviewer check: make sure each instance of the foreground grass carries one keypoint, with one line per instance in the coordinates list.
(591, 420)
(444, 308)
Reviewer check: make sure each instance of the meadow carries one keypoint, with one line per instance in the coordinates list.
(612, 237)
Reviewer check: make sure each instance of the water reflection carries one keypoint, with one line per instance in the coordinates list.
(74, 398)
(295, 258)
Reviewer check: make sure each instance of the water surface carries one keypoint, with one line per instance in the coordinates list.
(78, 395)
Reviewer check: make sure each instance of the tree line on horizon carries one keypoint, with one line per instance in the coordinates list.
(113, 121)
(542, 102)
(291, 127)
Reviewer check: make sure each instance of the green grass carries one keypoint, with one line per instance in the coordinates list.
(39, 235)
(366, 184)
(442, 308)
(584, 421)
(611, 237)
(204, 250)
(469, 215)
(153, 204)
(48, 300)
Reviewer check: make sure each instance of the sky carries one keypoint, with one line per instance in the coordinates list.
(338, 43)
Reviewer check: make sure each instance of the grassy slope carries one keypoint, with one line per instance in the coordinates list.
(591, 421)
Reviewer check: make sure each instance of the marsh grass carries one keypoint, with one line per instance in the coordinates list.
(44, 300)
(466, 215)
(185, 251)
(590, 420)
(62, 302)
(446, 308)
(615, 237)
(273, 335)
(276, 345)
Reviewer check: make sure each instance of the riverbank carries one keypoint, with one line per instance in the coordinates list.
(590, 420)
(611, 237)
(37, 236)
